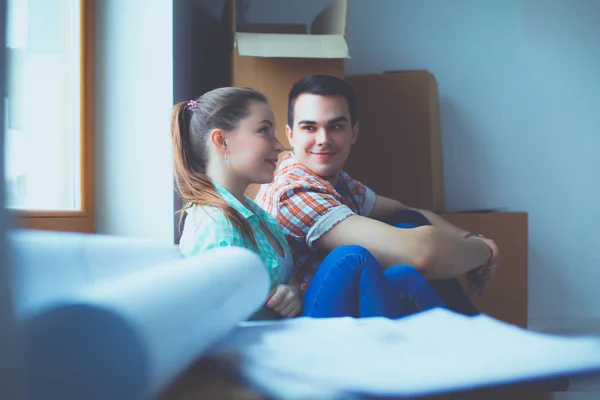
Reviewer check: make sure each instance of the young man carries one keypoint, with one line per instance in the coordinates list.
(320, 207)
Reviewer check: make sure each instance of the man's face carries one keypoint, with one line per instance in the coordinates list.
(322, 134)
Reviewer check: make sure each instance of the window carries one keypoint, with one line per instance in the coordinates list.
(49, 114)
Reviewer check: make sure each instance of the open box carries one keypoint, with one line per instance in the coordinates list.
(270, 58)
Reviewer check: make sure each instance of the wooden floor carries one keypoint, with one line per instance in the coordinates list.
(585, 388)
(210, 379)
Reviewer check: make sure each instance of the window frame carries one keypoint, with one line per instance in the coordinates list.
(76, 220)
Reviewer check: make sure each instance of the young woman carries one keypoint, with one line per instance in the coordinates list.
(224, 141)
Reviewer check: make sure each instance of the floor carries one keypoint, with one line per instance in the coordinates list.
(585, 388)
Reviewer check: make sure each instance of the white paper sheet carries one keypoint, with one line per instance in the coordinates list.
(429, 353)
(130, 332)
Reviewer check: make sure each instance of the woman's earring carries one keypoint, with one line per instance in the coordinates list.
(225, 160)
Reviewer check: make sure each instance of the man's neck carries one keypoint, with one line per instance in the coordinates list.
(333, 180)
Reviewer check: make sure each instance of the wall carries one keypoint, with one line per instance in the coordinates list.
(201, 56)
(134, 96)
(520, 100)
(520, 91)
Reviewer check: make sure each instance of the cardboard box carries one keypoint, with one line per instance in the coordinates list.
(506, 297)
(272, 57)
(399, 151)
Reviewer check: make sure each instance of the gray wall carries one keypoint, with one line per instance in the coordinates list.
(134, 93)
(201, 57)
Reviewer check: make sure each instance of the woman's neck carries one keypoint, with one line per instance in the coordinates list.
(233, 186)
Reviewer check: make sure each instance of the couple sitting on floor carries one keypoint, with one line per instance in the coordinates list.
(332, 247)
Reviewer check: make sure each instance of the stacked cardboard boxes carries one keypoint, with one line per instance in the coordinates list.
(399, 151)
(272, 57)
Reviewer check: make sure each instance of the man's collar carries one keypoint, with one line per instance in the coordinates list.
(290, 160)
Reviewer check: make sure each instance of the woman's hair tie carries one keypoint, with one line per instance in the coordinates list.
(191, 105)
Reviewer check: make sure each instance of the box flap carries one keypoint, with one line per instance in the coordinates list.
(273, 28)
(291, 46)
(332, 20)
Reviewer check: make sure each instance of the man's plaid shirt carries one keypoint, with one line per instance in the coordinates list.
(307, 206)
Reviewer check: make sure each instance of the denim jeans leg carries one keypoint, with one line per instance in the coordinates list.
(333, 290)
(350, 282)
(406, 279)
(449, 290)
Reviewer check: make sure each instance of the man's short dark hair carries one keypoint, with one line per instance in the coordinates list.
(322, 85)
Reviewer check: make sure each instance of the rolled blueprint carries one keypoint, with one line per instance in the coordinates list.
(131, 318)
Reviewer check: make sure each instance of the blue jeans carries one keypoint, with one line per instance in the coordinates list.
(449, 289)
(351, 283)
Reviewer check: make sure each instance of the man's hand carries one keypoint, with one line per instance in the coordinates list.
(285, 300)
(479, 278)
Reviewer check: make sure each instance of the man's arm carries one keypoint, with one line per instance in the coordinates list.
(385, 207)
(433, 251)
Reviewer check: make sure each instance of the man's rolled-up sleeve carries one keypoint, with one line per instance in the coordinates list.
(307, 214)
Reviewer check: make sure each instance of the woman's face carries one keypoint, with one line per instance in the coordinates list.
(252, 149)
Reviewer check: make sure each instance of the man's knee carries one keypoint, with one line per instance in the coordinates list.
(403, 271)
(408, 219)
(351, 250)
(353, 257)
(347, 263)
